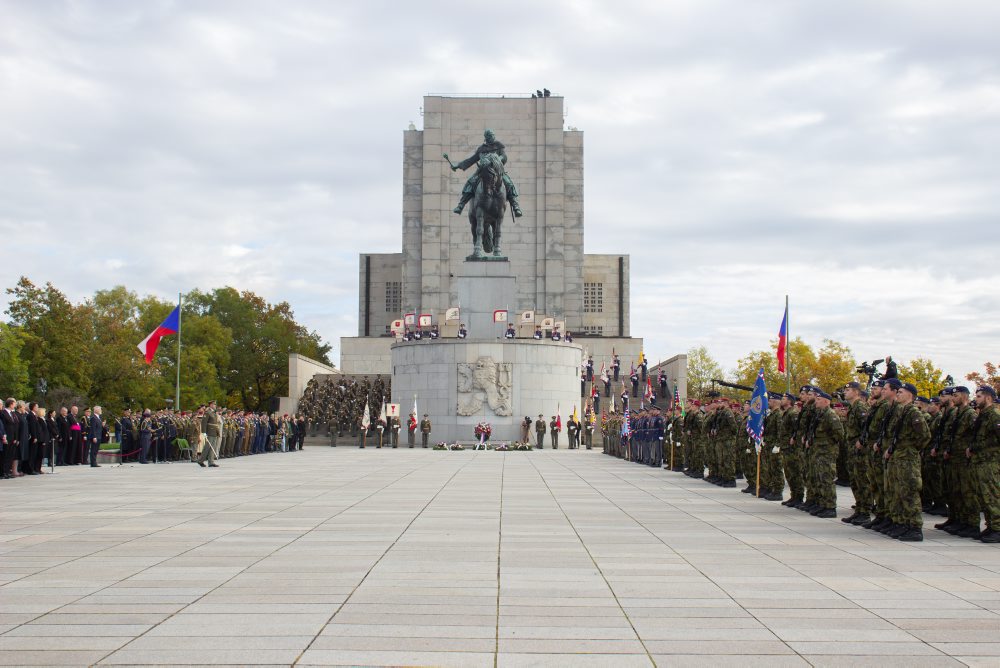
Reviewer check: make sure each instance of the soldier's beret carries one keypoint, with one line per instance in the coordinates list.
(854, 385)
(910, 387)
(946, 392)
(894, 383)
(923, 400)
(789, 395)
(987, 389)
(774, 395)
(960, 389)
(878, 383)
(806, 388)
(934, 400)
(820, 393)
(864, 393)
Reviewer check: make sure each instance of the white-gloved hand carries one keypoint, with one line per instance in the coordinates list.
(775, 450)
(748, 451)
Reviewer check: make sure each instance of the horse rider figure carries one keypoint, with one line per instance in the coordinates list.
(490, 145)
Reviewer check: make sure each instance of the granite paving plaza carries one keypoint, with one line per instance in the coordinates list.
(415, 557)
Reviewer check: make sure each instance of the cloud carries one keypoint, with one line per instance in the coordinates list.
(842, 153)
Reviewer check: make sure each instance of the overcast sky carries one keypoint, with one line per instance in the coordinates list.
(845, 153)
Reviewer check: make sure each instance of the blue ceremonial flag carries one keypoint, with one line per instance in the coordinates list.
(626, 427)
(758, 408)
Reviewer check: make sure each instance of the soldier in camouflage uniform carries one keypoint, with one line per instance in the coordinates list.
(772, 479)
(909, 436)
(824, 441)
(857, 465)
(694, 423)
(790, 452)
(878, 418)
(804, 433)
(984, 454)
(963, 498)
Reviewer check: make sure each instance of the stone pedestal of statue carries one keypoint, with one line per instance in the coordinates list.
(480, 289)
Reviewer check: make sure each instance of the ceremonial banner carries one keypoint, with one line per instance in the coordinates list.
(454, 313)
(425, 320)
(392, 410)
(500, 315)
(169, 326)
(758, 408)
(547, 323)
(396, 327)
(366, 420)
(410, 319)
(783, 342)
(527, 317)
(561, 325)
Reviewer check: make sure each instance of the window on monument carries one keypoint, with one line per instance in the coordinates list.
(393, 296)
(593, 330)
(593, 297)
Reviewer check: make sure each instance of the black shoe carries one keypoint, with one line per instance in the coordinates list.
(849, 519)
(860, 520)
(826, 513)
(773, 496)
(888, 528)
(881, 524)
(912, 535)
(93, 466)
(868, 524)
(817, 510)
(200, 463)
(809, 507)
(790, 502)
(967, 531)
(944, 525)
(213, 466)
(728, 483)
(989, 536)
(897, 531)
(747, 490)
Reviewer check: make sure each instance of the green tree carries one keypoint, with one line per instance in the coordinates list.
(58, 338)
(14, 378)
(802, 365)
(701, 369)
(835, 366)
(922, 372)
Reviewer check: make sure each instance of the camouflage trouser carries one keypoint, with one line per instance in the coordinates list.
(963, 497)
(903, 484)
(771, 475)
(987, 473)
(694, 455)
(727, 459)
(876, 481)
(809, 473)
(748, 465)
(857, 464)
(843, 470)
(823, 467)
(792, 459)
(931, 474)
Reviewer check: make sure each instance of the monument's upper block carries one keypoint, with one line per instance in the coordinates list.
(544, 247)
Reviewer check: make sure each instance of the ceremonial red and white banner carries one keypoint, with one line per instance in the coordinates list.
(392, 410)
(425, 319)
(527, 317)
(409, 319)
(396, 327)
(454, 313)
(561, 325)
(500, 315)
(547, 323)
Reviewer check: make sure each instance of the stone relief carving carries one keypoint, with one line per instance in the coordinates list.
(485, 382)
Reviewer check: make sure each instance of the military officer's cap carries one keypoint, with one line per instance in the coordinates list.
(539, 415)
(986, 389)
(960, 389)
(894, 383)
(946, 392)
(878, 383)
(909, 387)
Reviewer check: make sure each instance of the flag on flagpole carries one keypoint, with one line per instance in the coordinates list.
(575, 417)
(783, 342)
(366, 420)
(648, 394)
(677, 400)
(415, 406)
(169, 326)
(626, 428)
(604, 373)
(558, 417)
(758, 408)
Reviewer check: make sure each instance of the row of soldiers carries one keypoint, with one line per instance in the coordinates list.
(170, 436)
(339, 402)
(904, 454)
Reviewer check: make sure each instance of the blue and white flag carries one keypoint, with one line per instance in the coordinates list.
(758, 409)
(626, 427)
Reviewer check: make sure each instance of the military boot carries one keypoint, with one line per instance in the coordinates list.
(967, 531)
(912, 535)
(850, 518)
(990, 536)
(462, 202)
(950, 522)
(826, 513)
(861, 519)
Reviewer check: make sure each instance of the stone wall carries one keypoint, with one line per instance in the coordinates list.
(301, 370)
(545, 377)
(361, 355)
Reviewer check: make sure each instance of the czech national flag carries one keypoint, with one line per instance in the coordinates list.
(169, 326)
(783, 342)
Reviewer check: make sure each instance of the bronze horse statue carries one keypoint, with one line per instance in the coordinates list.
(488, 207)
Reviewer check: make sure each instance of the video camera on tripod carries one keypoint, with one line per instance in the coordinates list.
(870, 369)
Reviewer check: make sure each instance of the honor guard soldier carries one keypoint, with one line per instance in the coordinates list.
(408, 335)
(434, 332)
(540, 431)
(569, 337)
(984, 457)
(624, 399)
(634, 379)
(657, 429)
(462, 331)
(556, 336)
(554, 430)
(590, 368)
(538, 333)
(417, 334)
(145, 436)
(510, 333)
(394, 427)
(425, 430)
(616, 365)
(411, 429)
(573, 433)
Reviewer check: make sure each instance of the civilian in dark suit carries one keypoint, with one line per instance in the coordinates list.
(23, 437)
(75, 443)
(63, 444)
(35, 438)
(11, 426)
(94, 435)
